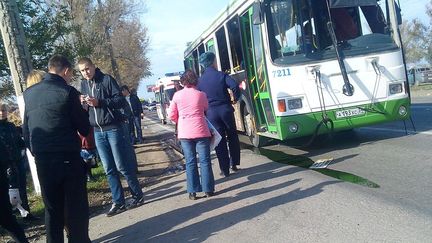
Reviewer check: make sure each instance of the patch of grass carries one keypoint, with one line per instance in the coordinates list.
(37, 207)
(100, 179)
(36, 203)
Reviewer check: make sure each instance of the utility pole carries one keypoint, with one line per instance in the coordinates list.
(17, 52)
(19, 60)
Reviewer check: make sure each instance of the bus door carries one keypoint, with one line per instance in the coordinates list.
(257, 74)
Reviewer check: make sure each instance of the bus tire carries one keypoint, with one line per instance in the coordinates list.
(250, 129)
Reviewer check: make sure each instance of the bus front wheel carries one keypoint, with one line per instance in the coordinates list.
(250, 129)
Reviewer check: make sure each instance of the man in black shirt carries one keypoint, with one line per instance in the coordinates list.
(53, 115)
(135, 121)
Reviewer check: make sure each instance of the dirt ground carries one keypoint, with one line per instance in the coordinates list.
(156, 159)
(421, 91)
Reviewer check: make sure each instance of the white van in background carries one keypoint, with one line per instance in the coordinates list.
(419, 75)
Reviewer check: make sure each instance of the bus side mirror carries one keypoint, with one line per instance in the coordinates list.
(398, 14)
(257, 15)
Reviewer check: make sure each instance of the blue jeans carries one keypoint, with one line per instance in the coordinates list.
(190, 149)
(115, 155)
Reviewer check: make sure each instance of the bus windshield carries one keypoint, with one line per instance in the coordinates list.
(298, 30)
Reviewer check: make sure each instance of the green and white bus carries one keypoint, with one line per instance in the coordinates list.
(308, 67)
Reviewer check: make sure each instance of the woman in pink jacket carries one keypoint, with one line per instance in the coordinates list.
(187, 110)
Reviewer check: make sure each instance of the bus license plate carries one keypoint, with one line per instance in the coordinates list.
(349, 113)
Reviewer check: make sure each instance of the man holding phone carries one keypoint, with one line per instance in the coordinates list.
(103, 96)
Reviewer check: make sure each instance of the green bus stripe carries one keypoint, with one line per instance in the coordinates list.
(307, 123)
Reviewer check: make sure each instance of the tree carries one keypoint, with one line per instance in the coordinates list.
(415, 44)
(428, 35)
(130, 43)
(46, 28)
(109, 32)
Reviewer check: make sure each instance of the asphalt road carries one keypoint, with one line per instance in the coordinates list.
(395, 156)
(377, 189)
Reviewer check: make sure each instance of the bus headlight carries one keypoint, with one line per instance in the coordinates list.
(293, 127)
(402, 110)
(295, 104)
(395, 88)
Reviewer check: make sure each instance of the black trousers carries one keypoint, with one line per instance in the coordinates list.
(22, 172)
(7, 219)
(63, 183)
(222, 118)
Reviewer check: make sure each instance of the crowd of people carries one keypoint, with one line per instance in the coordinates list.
(66, 130)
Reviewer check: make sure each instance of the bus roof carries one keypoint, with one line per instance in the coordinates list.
(225, 14)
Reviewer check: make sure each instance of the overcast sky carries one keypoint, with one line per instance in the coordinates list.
(171, 24)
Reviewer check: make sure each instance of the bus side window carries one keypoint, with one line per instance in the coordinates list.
(285, 29)
(189, 62)
(195, 63)
(201, 50)
(235, 44)
(210, 45)
(223, 50)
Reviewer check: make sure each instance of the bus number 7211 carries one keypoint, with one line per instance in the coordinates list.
(281, 73)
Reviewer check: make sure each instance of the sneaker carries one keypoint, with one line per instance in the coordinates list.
(223, 174)
(136, 202)
(234, 168)
(30, 217)
(192, 196)
(116, 209)
(209, 194)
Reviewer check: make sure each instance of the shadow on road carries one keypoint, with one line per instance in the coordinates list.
(165, 227)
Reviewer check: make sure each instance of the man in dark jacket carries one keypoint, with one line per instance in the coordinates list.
(220, 112)
(53, 115)
(11, 136)
(9, 150)
(135, 122)
(102, 94)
